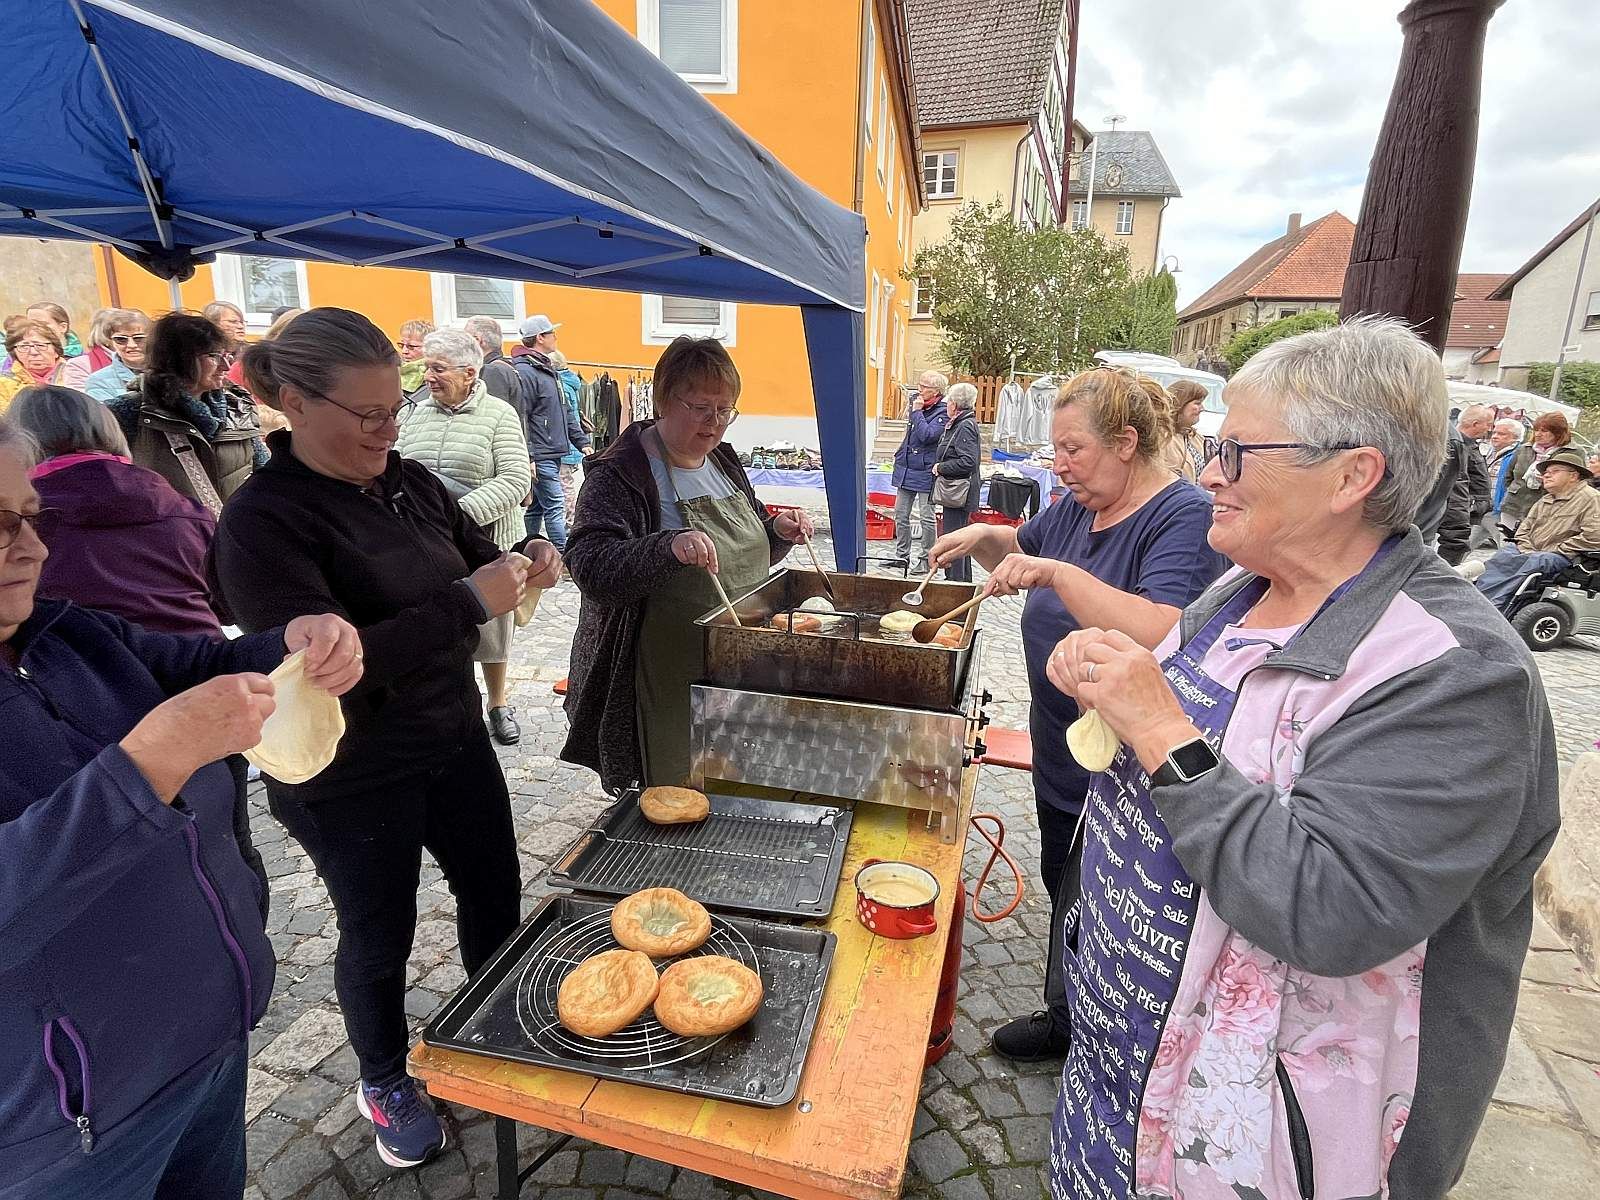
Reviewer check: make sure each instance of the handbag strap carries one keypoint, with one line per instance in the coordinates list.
(204, 491)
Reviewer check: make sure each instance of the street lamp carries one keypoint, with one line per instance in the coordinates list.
(1174, 268)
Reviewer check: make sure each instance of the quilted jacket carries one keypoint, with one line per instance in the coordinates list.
(479, 444)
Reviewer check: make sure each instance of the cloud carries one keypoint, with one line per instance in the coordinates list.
(1266, 110)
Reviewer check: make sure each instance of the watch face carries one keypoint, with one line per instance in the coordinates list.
(1194, 758)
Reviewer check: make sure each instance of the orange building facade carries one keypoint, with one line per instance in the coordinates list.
(823, 85)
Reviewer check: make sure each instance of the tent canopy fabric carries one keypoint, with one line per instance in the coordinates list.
(518, 139)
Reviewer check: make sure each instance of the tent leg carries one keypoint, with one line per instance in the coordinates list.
(174, 295)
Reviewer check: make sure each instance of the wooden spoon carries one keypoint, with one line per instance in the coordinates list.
(926, 631)
(914, 598)
(723, 592)
(817, 563)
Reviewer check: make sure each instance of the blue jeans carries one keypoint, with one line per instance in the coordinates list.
(549, 507)
(184, 1146)
(1510, 566)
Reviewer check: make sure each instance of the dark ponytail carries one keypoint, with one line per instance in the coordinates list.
(310, 352)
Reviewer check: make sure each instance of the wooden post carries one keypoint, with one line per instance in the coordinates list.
(1414, 214)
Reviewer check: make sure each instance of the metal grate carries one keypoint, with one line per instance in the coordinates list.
(642, 1045)
(763, 856)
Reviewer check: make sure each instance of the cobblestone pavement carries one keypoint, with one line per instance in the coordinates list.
(982, 1128)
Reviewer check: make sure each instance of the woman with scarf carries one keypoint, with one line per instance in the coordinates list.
(183, 421)
(37, 358)
(1525, 485)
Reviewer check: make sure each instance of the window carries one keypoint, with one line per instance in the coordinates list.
(258, 285)
(871, 59)
(885, 129)
(922, 297)
(884, 305)
(1287, 312)
(699, 39)
(1591, 318)
(667, 317)
(1080, 214)
(939, 173)
(874, 300)
(1124, 216)
(894, 186)
(457, 297)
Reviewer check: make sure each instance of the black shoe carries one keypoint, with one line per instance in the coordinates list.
(503, 726)
(1031, 1039)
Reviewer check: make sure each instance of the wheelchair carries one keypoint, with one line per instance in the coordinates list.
(1549, 608)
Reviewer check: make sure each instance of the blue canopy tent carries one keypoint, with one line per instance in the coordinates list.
(525, 139)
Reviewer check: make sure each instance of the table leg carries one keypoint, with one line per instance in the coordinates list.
(505, 1153)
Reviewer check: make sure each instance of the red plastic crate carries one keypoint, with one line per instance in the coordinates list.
(880, 528)
(993, 516)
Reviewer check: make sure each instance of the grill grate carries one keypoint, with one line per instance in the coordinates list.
(764, 856)
(643, 1045)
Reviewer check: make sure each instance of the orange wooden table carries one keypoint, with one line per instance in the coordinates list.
(847, 1131)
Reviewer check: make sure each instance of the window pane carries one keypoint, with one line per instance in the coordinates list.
(479, 297)
(690, 36)
(679, 310)
(269, 283)
(1124, 216)
(1592, 314)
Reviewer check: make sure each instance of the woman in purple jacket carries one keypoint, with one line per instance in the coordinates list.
(133, 963)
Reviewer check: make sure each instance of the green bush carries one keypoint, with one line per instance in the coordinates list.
(1247, 342)
(1580, 382)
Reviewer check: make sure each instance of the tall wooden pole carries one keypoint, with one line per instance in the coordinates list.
(1414, 214)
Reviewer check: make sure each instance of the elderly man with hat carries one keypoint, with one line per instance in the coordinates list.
(551, 427)
(1563, 524)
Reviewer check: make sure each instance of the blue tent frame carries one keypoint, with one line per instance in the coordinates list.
(525, 139)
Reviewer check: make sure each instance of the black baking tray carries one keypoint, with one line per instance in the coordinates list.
(759, 1064)
(766, 857)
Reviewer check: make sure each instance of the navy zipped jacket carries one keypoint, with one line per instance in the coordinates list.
(132, 955)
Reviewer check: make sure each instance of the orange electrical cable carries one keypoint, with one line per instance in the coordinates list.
(998, 842)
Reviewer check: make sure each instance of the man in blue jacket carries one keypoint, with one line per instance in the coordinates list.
(913, 470)
(133, 963)
(552, 430)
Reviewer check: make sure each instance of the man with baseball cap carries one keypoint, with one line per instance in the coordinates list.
(1563, 524)
(551, 429)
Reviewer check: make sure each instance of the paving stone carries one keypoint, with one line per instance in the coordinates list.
(560, 1168)
(446, 1177)
(308, 1099)
(938, 1155)
(649, 1175)
(1016, 1183)
(603, 1166)
(923, 1122)
(296, 1166)
(1562, 1021)
(422, 1004)
(951, 1107)
(260, 1090)
(1524, 1080)
(1038, 1093)
(338, 1118)
(995, 1100)
(331, 1188)
(966, 1187)
(691, 1185)
(312, 1037)
(1558, 967)
(400, 1187)
(1029, 1138)
(342, 1066)
(1517, 1155)
(266, 1137)
(1581, 1082)
(986, 1144)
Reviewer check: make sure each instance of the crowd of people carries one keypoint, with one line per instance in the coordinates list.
(1287, 923)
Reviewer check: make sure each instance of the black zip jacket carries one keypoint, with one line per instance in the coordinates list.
(393, 560)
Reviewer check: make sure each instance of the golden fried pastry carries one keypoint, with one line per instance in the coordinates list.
(803, 622)
(607, 992)
(674, 805)
(661, 922)
(705, 996)
(949, 635)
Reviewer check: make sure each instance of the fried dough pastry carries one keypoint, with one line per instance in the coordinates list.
(661, 922)
(949, 635)
(674, 805)
(706, 996)
(803, 622)
(606, 993)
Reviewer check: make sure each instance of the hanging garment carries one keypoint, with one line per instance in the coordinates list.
(1039, 408)
(1008, 415)
(1013, 495)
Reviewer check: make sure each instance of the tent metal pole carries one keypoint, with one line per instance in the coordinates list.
(174, 295)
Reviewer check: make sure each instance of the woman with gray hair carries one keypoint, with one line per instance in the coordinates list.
(473, 443)
(957, 481)
(1307, 873)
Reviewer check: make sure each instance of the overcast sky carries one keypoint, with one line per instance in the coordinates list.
(1266, 109)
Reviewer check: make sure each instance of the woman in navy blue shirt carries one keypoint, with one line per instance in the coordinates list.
(1127, 550)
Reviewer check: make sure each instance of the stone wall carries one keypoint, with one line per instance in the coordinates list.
(32, 269)
(1568, 885)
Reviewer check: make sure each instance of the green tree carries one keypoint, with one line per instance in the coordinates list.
(1148, 315)
(1580, 382)
(1045, 298)
(1245, 344)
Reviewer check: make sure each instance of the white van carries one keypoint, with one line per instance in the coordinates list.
(1508, 402)
(1167, 371)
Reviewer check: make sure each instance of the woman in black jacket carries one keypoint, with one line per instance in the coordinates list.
(338, 522)
(955, 471)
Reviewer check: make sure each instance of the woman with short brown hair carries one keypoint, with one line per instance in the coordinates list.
(1550, 433)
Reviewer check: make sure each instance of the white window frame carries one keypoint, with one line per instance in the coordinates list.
(1125, 206)
(444, 303)
(1591, 312)
(725, 83)
(872, 73)
(904, 232)
(887, 287)
(1080, 207)
(936, 192)
(657, 331)
(919, 310)
(874, 350)
(885, 128)
(227, 283)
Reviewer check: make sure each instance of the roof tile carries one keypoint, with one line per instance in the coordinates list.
(981, 61)
(1308, 264)
(1131, 158)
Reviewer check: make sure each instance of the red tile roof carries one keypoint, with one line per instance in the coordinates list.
(1476, 322)
(1308, 264)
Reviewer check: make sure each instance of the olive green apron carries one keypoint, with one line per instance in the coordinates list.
(671, 653)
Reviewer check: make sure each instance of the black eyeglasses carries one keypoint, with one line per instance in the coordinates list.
(11, 523)
(1230, 452)
(374, 419)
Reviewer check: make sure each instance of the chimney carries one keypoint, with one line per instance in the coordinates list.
(1294, 224)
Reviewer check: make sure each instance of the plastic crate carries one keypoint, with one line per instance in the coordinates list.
(993, 516)
(774, 509)
(880, 528)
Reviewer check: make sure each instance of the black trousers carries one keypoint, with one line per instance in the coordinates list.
(959, 571)
(368, 851)
(1060, 862)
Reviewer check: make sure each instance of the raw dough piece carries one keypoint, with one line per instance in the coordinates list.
(1091, 741)
(607, 992)
(706, 996)
(818, 604)
(803, 622)
(528, 605)
(674, 805)
(302, 735)
(900, 621)
(661, 922)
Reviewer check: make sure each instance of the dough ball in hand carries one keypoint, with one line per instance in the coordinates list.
(302, 735)
(1091, 741)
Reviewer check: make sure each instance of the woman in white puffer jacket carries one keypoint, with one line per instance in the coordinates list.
(474, 443)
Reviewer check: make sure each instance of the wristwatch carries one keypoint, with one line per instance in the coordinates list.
(1186, 763)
